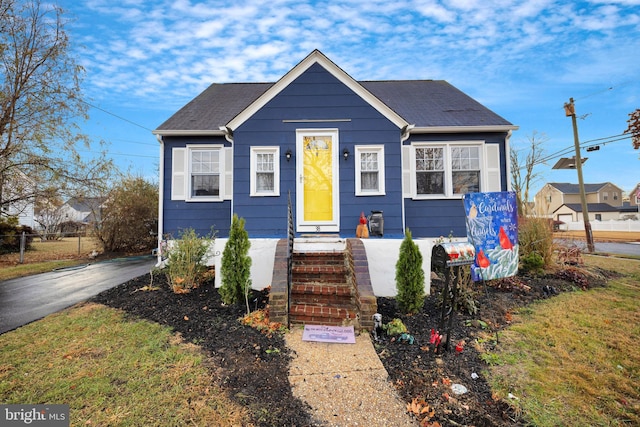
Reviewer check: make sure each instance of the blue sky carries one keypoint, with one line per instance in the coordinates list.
(145, 59)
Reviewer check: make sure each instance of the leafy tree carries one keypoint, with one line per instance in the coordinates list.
(409, 276)
(634, 128)
(128, 220)
(523, 175)
(40, 106)
(236, 265)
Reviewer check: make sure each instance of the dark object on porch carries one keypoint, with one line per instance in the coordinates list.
(376, 223)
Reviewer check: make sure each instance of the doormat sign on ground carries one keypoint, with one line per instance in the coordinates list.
(332, 334)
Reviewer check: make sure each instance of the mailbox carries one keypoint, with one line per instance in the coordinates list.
(444, 255)
(376, 223)
(452, 254)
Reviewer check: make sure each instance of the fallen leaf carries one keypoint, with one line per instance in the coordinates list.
(186, 317)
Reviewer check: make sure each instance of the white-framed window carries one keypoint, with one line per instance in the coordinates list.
(201, 173)
(451, 169)
(369, 167)
(605, 196)
(265, 171)
(204, 173)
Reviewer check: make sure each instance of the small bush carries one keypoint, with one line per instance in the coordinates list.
(186, 268)
(10, 235)
(236, 265)
(532, 263)
(409, 276)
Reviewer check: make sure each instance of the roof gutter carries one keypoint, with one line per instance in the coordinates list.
(228, 133)
(209, 132)
(456, 129)
(406, 132)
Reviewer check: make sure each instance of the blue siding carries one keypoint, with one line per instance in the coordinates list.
(201, 216)
(435, 218)
(444, 217)
(317, 95)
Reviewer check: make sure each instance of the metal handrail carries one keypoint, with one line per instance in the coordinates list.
(290, 236)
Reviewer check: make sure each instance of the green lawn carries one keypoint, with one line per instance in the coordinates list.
(111, 371)
(574, 360)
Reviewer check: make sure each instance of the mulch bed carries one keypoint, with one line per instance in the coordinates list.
(253, 367)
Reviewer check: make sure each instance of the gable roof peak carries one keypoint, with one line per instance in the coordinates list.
(316, 57)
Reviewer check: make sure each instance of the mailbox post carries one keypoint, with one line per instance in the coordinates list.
(450, 257)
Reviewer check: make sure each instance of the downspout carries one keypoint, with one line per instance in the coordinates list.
(160, 200)
(404, 135)
(228, 135)
(507, 155)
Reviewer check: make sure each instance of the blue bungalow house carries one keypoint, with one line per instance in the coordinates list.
(336, 147)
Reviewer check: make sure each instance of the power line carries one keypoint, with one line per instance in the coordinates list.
(604, 141)
(115, 115)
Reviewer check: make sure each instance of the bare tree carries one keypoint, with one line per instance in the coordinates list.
(41, 106)
(523, 175)
(634, 128)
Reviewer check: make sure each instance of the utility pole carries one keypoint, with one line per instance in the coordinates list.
(570, 110)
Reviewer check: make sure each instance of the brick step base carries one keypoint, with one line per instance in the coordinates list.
(340, 290)
(320, 314)
(323, 294)
(318, 258)
(334, 278)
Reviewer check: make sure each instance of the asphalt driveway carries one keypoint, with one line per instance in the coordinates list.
(30, 298)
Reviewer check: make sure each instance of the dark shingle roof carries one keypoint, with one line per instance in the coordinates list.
(592, 207)
(428, 103)
(566, 188)
(424, 103)
(215, 107)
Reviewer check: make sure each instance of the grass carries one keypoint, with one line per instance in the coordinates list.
(572, 360)
(575, 359)
(111, 371)
(46, 256)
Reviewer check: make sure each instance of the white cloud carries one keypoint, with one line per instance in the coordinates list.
(175, 48)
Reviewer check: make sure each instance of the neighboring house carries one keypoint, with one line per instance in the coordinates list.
(572, 212)
(634, 196)
(18, 191)
(554, 195)
(81, 210)
(339, 147)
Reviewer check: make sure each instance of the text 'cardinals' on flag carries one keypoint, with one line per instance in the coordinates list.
(492, 228)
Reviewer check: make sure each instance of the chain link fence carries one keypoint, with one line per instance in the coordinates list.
(27, 247)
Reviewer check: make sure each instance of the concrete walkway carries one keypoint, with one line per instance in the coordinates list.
(345, 384)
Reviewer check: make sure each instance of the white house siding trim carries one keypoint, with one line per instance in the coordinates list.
(382, 256)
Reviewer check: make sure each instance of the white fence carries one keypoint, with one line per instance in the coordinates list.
(611, 225)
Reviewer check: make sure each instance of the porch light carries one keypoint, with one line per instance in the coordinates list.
(288, 154)
(345, 153)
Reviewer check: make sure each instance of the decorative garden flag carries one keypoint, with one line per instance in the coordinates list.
(492, 228)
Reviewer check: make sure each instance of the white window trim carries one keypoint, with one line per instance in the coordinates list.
(448, 173)
(190, 150)
(359, 149)
(276, 170)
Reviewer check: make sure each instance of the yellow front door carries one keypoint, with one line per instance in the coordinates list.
(318, 178)
(317, 190)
